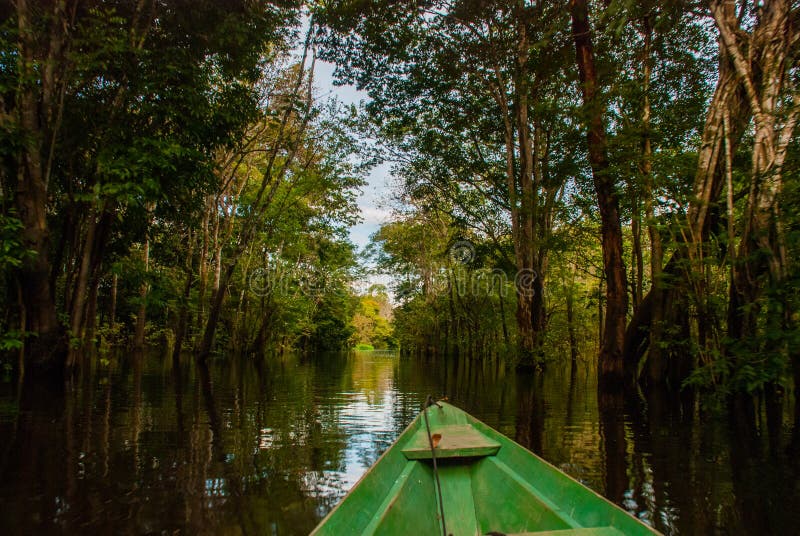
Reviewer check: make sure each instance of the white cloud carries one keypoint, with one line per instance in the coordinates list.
(375, 215)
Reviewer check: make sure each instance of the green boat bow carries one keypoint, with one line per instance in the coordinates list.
(489, 485)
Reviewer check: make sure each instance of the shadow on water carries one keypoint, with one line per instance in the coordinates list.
(531, 410)
(147, 444)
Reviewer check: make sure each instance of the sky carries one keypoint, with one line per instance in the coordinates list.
(372, 201)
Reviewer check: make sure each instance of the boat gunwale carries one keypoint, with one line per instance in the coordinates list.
(491, 430)
(367, 473)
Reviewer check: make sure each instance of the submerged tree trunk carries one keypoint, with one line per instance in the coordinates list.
(573, 339)
(91, 313)
(45, 351)
(138, 339)
(79, 296)
(38, 112)
(761, 252)
(653, 233)
(637, 269)
(183, 310)
(667, 305)
(610, 369)
(501, 298)
(751, 83)
(530, 200)
(112, 314)
(203, 278)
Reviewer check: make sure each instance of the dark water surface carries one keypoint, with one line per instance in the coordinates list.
(240, 448)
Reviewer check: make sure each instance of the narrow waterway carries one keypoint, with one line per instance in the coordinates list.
(243, 448)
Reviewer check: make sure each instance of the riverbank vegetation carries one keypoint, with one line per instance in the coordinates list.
(576, 179)
(622, 174)
(170, 175)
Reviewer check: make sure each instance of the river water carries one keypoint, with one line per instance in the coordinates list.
(139, 447)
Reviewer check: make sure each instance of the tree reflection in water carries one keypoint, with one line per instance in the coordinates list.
(144, 445)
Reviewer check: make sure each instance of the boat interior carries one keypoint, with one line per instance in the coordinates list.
(483, 484)
(476, 487)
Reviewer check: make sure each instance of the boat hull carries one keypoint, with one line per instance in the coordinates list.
(489, 485)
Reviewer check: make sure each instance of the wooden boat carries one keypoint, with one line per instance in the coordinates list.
(488, 484)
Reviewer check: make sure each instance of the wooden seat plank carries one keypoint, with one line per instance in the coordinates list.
(457, 441)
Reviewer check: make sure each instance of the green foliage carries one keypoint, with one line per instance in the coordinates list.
(372, 321)
(187, 158)
(12, 250)
(12, 253)
(11, 340)
(186, 134)
(439, 77)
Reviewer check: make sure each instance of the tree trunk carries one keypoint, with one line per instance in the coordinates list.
(112, 315)
(600, 313)
(528, 310)
(202, 284)
(214, 311)
(655, 360)
(636, 256)
(501, 297)
(38, 113)
(763, 76)
(79, 293)
(525, 164)
(183, 311)
(217, 250)
(90, 321)
(610, 370)
(663, 305)
(451, 307)
(573, 340)
(138, 340)
(45, 351)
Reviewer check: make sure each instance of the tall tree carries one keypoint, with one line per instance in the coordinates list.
(465, 98)
(42, 44)
(611, 354)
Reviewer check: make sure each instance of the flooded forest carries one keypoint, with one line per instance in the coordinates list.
(242, 242)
